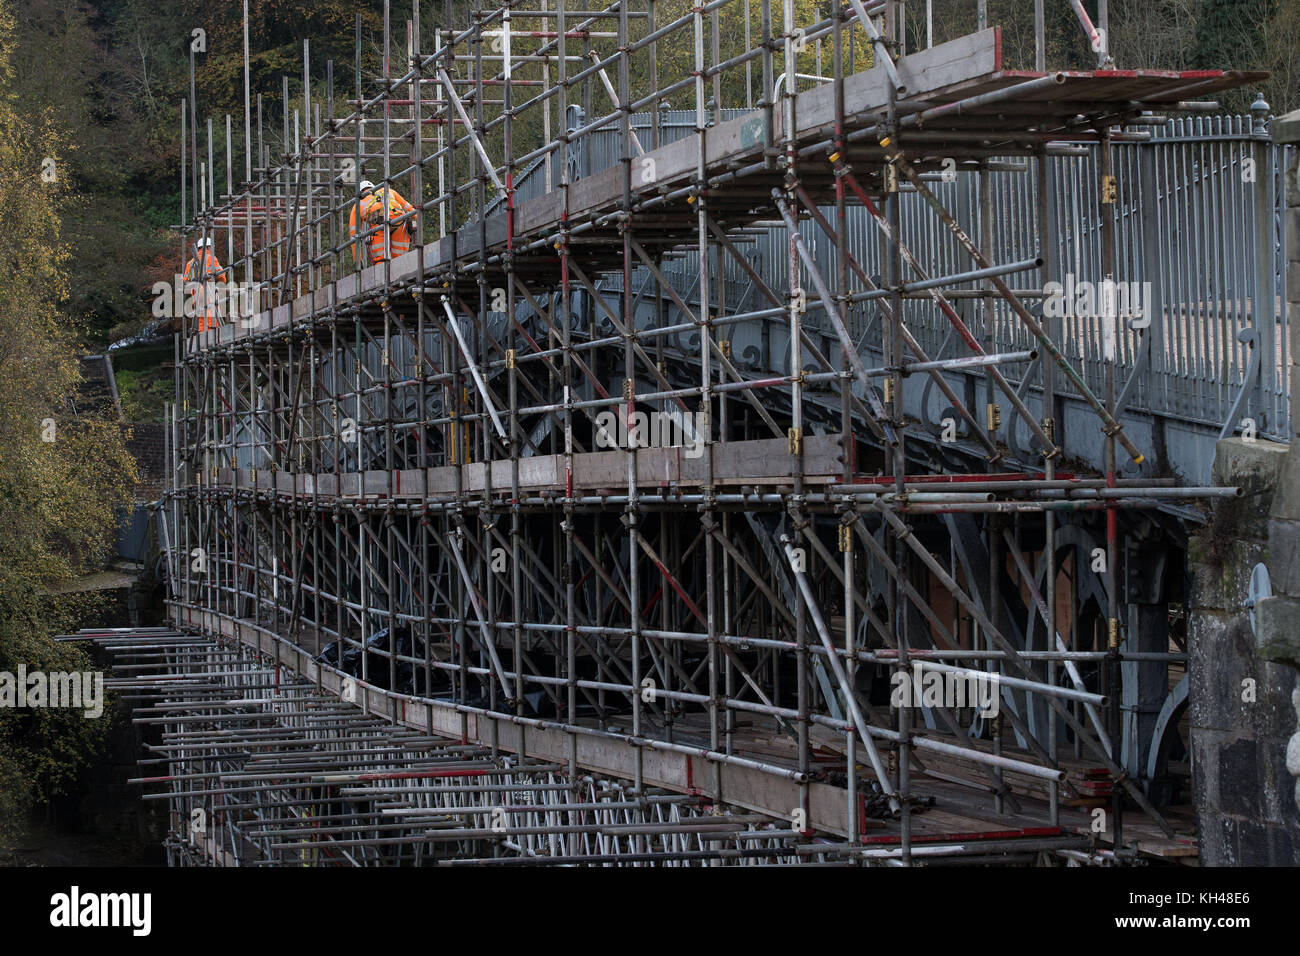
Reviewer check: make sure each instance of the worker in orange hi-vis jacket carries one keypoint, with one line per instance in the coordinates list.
(378, 205)
(204, 270)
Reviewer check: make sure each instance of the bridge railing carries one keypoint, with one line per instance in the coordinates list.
(1199, 260)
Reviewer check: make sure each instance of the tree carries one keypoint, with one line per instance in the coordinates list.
(1281, 40)
(1156, 35)
(57, 497)
(1228, 33)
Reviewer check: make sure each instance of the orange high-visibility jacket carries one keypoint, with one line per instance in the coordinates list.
(204, 269)
(372, 213)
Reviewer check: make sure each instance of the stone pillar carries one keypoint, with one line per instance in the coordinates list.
(1247, 752)
(1279, 617)
(1240, 713)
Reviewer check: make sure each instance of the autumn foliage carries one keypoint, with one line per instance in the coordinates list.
(63, 469)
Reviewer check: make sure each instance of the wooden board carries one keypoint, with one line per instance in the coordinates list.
(758, 462)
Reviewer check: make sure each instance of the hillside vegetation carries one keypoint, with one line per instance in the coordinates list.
(123, 69)
(62, 474)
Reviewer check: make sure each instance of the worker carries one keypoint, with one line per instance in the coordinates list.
(377, 206)
(204, 270)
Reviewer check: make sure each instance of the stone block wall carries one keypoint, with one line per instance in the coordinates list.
(148, 445)
(1240, 703)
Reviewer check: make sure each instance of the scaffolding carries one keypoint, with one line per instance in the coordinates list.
(661, 553)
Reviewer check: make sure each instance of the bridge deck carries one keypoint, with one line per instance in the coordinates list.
(950, 814)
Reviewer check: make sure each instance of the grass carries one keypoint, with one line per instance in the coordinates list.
(144, 394)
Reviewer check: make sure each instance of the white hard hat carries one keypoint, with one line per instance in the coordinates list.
(366, 185)
(204, 242)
